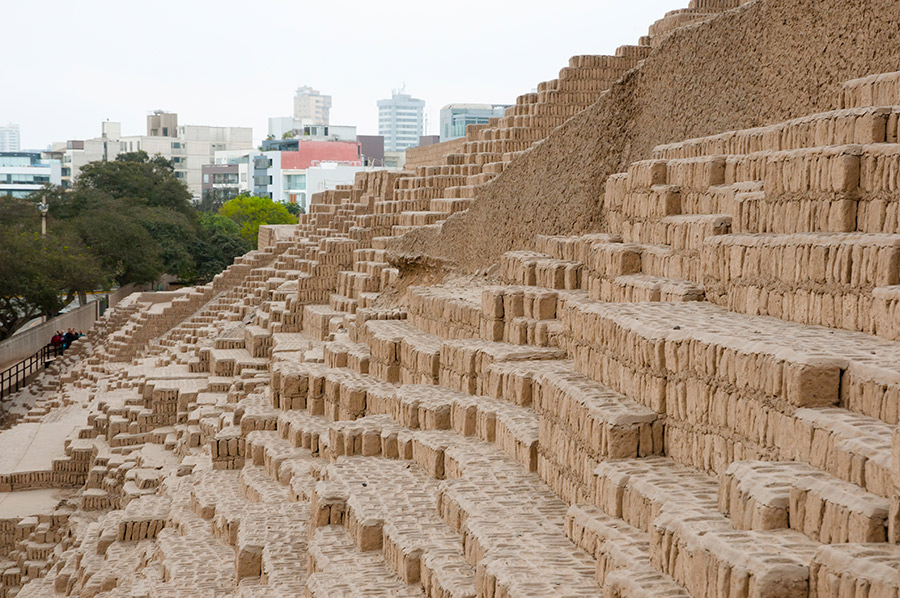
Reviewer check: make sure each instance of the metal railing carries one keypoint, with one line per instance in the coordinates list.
(14, 378)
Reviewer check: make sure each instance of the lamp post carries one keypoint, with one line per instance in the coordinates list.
(44, 207)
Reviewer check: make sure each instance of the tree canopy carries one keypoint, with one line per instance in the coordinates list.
(139, 179)
(39, 275)
(250, 212)
(129, 220)
(124, 221)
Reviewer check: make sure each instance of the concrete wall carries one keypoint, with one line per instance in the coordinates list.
(28, 343)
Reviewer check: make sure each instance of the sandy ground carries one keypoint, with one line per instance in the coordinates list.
(30, 502)
(33, 446)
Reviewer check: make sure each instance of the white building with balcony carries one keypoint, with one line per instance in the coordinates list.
(23, 173)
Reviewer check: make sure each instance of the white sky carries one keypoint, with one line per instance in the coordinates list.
(69, 66)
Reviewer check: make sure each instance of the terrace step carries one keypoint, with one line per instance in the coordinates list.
(622, 553)
(840, 566)
(825, 279)
(511, 523)
(800, 381)
(643, 287)
(338, 569)
(392, 507)
(763, 495)
(772, 564)
(638, 490)
(873, 123)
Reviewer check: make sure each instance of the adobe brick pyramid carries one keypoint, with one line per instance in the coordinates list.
(699, 399)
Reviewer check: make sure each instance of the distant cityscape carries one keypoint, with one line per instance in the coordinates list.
(302, 154)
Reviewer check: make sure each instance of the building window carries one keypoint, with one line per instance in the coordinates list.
(205, 178)
(295, 181)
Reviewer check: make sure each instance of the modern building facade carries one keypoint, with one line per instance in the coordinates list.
(283, 175)
(394, 159)
(10, 141)
(283, 128)
(456, 117)
(190, 147)
(162, 124)
(221, 181)
(229, 176)
(311, 106)
(401, 120)
(23, 173)
(371, 149)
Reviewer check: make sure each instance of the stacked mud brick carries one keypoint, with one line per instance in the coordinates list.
(436, 191)
(697, 11)
(27, 545)
(339, 246)
(700, 400)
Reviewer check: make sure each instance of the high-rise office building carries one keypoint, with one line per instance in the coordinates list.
(456, 117)
(9, 138)
(401, 120)
(311, 106)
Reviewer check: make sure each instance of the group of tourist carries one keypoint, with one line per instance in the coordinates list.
(61, 340)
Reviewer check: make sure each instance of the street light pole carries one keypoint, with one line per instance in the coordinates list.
(44, 208)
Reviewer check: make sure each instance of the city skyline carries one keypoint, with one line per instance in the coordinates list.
(209, 78)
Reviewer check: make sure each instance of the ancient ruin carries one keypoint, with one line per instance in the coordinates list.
(672, 370)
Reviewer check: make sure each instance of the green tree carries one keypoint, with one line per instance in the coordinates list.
(128, 252)
(40, 275)
(212, 200)
(174, 234)
(128, 221)
(219, 243)
(295, 209)
(138, 179)
(250, 212)
(134, 215)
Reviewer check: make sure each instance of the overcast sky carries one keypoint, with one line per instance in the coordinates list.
(69, 66)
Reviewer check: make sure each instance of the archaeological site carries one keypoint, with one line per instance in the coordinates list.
(637, 338)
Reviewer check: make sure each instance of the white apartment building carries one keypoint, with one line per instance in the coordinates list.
(401, 120)
(311, 106)
(23, 173)
(190, 147)
(10, 140)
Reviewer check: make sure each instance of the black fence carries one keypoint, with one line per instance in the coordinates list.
(14, 378)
